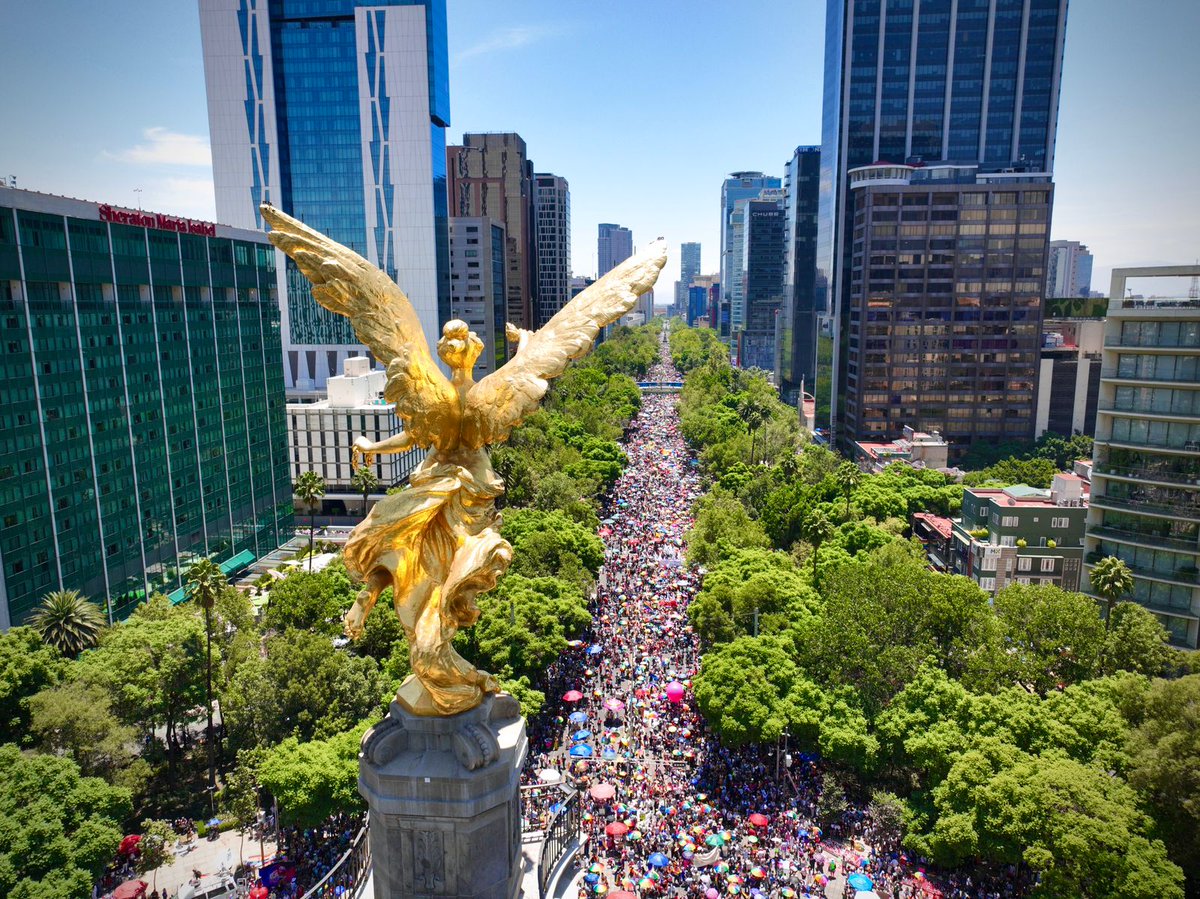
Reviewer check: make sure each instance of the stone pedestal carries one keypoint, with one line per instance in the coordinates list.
(444, 801)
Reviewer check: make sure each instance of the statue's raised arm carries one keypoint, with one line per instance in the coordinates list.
(505, 398)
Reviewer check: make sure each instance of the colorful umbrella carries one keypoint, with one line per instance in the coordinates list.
(603, 792)
(130, 889)
(614, 705)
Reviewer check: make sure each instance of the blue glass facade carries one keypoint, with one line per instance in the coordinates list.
(968, 82)
(321, 181)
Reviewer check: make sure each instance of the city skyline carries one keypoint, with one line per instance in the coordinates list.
(151, 147)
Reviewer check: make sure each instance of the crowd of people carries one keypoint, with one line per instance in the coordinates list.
(667, 810)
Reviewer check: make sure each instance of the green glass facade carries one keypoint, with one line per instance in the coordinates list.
(142, 415)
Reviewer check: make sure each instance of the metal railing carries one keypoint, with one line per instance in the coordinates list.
(1154, 541)
(564, 827)
(349, 872)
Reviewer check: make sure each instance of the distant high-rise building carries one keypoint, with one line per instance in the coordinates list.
(689, 268)
(763, 252)
(552, 204)
(315, 108)
(943, 315)
(738, 186)
(1068, 269)
(1145, 506)
(800, 333)
(1069, 381)
(737, 300)
(143, 402)
(969, 83)
(491, 176)
(615, 245)
(477, 288)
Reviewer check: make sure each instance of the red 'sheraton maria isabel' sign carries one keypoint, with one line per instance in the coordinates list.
(157, 220)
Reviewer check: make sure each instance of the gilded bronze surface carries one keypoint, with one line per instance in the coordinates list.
(437, 543)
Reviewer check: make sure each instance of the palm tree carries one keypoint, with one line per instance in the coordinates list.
(754, 413)
(68, 621)
(207, 581)
(848, 478)
(1111, 579)
(364, 482)
(310, 487)
(816, 529)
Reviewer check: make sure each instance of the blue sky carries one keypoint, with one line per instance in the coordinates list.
(642, 106)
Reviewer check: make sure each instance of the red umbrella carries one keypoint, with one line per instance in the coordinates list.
(130, 889)
(572, 696)
(259, 892)
(129, 844)
(758, 820)
(617, 829)
(622, 894)
(603, 791)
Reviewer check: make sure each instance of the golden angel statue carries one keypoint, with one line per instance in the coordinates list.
(437, 543)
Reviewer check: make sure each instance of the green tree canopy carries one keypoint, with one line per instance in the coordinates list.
(58, 830)
(304, 687)
(68, 621)
(27, 665)
(311, 601)
(314, 779)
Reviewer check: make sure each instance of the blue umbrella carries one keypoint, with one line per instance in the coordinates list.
(595, 649)
(591, 877)
(581, 735)
(581, 751)
(213, 822)
(608, 754)
(577, 717)
(658, 860)
(860, 881)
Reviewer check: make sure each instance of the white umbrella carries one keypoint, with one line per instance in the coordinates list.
(549, 775)
(866, 894)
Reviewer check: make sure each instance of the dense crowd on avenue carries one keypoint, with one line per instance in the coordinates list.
(668, 811)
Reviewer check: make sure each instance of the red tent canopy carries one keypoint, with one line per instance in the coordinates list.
(130, 889)
(129, 844)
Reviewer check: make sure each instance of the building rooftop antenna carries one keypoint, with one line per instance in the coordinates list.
(1194, 290)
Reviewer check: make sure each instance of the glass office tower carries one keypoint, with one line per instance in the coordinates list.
(738, 186)
(143, 419)
(968, 82)
(312, 107)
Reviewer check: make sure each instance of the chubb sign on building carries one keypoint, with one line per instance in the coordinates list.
(157, 220)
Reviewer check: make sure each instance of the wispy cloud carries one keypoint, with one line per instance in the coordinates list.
(163, 147)
(507, 39)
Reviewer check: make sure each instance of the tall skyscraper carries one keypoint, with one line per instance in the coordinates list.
(336, 112)
(969, 82)
(689, 268)
(491, 175)
(477, 293)
(143, 402)
(1068, 270)
(798, 342)
(762, 282)
(1145, 502)
(552, 203)
(615, 244)
(738, 186)
(738, 220)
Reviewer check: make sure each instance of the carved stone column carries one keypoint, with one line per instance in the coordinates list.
(444, 800)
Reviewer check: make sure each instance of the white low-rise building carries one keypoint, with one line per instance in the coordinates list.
(321, 434)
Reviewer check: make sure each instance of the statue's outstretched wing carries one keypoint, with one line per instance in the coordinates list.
(345, 283)
(503, 399)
